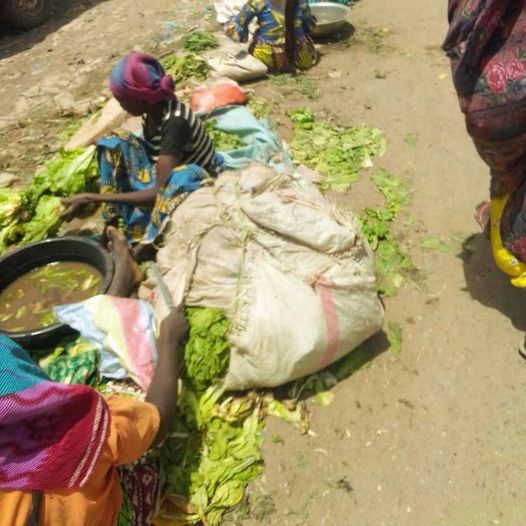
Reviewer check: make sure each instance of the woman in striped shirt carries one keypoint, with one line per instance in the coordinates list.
(143, 179)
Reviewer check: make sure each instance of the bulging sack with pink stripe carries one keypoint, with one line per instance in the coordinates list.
(291, 271)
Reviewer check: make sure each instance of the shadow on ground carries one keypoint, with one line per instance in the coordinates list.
(346, 32)
(353, 361)
(13, 41)
(488, 285)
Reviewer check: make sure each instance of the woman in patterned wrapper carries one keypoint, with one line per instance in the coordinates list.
(71, 457)
(487, 47)
(142, 179)
(282, 39)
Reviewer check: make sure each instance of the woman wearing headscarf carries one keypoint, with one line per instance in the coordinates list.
(487, 47)
(282, 38)
(142, 179)
(61, 446)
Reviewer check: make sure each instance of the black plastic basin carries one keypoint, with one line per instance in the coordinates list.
(29, 257)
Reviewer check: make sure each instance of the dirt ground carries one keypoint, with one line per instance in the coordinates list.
(432, 436)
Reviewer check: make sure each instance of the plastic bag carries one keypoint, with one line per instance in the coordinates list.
(224, 92)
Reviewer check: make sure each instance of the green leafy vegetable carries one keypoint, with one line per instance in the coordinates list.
(393, 265)
(223, 141)
(12, 203)
(189, 65)
(339, 153)
(199, 41)
(212, 466)
(33, 214)
(260, 108)
(394, 335)
(46, 220)
(71, 172)
(411, 139)
(207, 349)
(324, 398)
(451, 246)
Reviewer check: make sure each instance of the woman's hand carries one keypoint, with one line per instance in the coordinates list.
(174, 327)
(77, 202)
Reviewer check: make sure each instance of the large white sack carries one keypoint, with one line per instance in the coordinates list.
(291, 272)
(226, 9)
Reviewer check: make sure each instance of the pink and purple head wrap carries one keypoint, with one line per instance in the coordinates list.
(141, 77)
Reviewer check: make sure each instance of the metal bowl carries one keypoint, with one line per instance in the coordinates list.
(330, 18)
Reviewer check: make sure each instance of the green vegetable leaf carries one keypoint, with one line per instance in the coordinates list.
(198, 41)
(189, 65)
(451, 246)
(339, 153)
(394, 335)
(69, 173)
(223, 141)
(207, 351)
(411, 139)
(46, 220)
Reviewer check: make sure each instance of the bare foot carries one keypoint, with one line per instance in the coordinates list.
(128, 275)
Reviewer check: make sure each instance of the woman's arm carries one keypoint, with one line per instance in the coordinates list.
(165, 166)
(163, 389)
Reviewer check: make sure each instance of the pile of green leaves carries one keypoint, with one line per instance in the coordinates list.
(220, 455)
(69, 173)
(32, 214)
(216, 448)
(393, 265)
(339, 153)
(186, 66)
(223, 141)
(207, 352)
(198, 41)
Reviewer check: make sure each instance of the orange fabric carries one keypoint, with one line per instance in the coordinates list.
(134, 426)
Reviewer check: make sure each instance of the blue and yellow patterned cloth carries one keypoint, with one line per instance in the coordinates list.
(268, 44)
(124, 166)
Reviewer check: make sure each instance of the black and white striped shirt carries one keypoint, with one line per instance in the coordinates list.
(181, 133)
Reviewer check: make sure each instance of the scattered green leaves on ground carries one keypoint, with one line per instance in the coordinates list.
(260, 108)
(393, 265)
(394, 335)
(338, 153)
(185, 66)
(223, 141)
(302, 82)
(452, 246)
(307, 87)
(411, 139)
(198, 41)
(372, 37)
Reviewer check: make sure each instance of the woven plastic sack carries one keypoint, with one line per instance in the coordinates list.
(291, 272)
